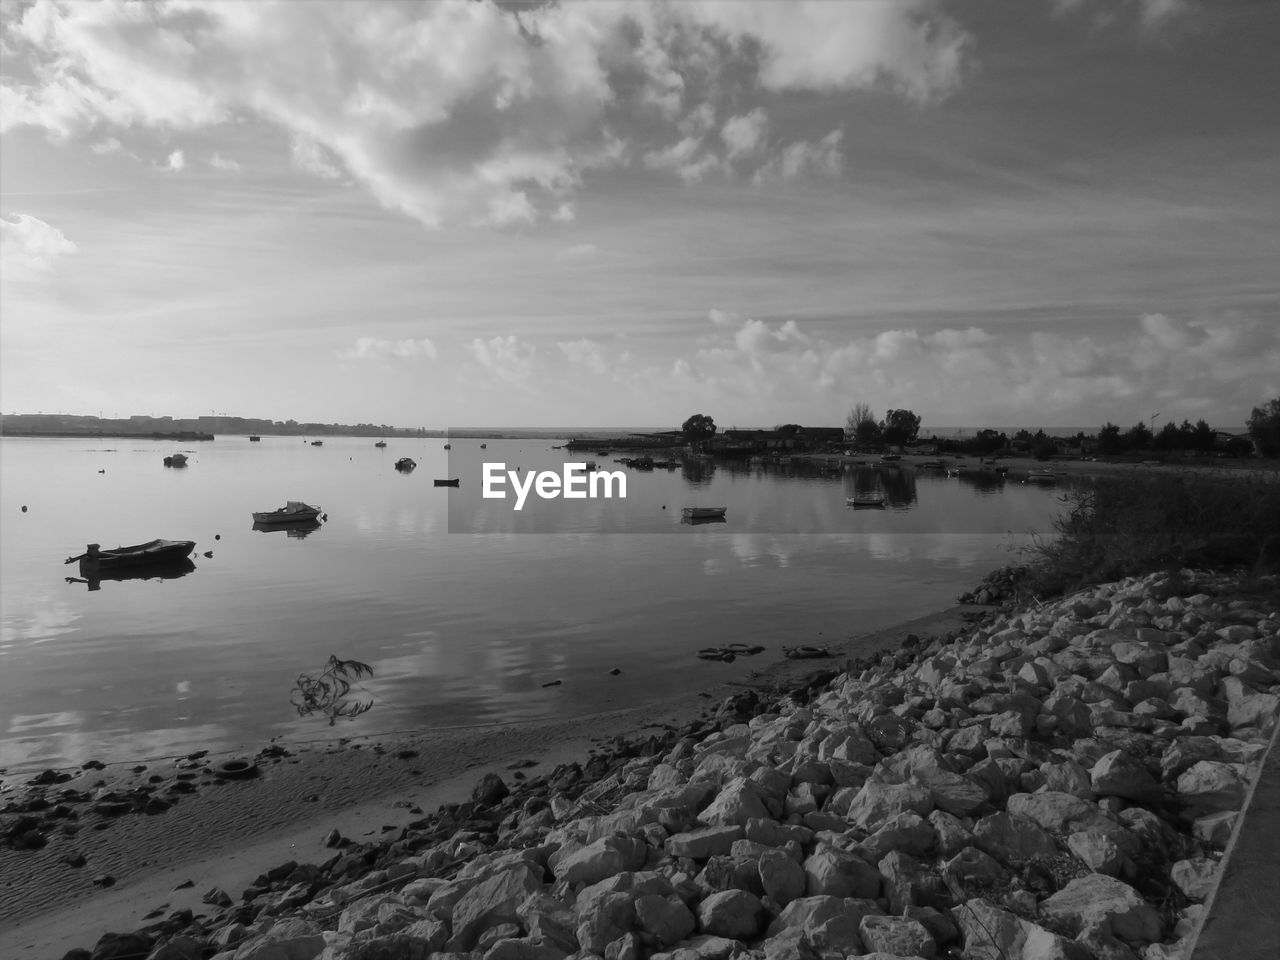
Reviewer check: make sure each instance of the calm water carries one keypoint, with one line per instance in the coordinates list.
(459, 627)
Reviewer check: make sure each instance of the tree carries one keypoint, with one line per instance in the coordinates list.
(699, 427)
(860, 414)
(1203, 438)
(899, 426)
(1109, 440)
(1264, 427)
(1137, 437)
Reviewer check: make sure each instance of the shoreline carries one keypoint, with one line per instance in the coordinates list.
(225, 834)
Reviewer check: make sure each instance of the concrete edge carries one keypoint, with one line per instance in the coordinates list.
(1241, 918)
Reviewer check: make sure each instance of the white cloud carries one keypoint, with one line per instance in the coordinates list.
(507, 358)
(175, 162)
(820, 158)
(745, 134)
(579, 251)
(585, 354)
(219, 162)
(109, 145)
(373, 348)
(29, 244)
(462, 111)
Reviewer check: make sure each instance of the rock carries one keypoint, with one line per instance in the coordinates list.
(1194, 877)
(907, 832)
(1098, 851)
(666, 919)
(1209, 786)
(705, 842)
(610, 917)
(603, 858)
(489, 790)
(897, 936)
(121, 946)
(490, 902)
(738, 802)
(782, 878)
(1119, 775)
(735, 914)
(1012, 838)
(834, 873)
(877, 802)
(1105, 901)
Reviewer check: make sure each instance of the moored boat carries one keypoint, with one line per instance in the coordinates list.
(381, 443)
(864, 501)
(704, 513)
(152, 553)
(406, 464)
(294, 511)
(317, 443)
(255, 439)
(1042, 476)
(446, 483)
(176, 460)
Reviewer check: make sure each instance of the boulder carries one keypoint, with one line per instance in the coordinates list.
(1097, 900)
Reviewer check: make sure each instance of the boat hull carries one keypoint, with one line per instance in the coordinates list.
(704, 513)
(291, 513)
(154, 553)
(447, 483)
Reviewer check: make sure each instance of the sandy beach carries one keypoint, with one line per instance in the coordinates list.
(224, 833)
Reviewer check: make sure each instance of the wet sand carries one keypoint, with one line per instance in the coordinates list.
(225, 833)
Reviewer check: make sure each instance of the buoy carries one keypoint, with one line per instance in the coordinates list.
(217, 536)
(24, 508)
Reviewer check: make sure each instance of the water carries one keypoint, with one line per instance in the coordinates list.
(461, 627)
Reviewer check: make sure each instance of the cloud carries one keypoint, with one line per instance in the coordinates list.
(109, 145)
(175, 162)
(1224, 363)
(372, 348)
(475, 112)
(745, 134)
(1150, 16)
(507, 358)
(579, 251)
(820, 158)
(585, 354)
(29, 244)
(219, 162)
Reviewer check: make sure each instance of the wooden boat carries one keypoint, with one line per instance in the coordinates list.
(406, 464)
(176, 460)
(294, 511)
(865, 501)
(255, 439)
(704, 513)
(381, 443)
(153, 553)
(446, 483)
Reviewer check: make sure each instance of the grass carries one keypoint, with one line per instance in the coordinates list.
(1116, 527)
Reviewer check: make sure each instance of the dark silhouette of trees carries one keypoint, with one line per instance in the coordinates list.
(899, 426)
(699, 427)
(1264, 427)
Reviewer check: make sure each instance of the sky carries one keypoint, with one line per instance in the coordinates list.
(1043, 212)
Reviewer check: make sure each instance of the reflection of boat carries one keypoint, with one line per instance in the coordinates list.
(255, 439)
(292, 512)
(405, 464)
(93, 574)
(381, 443)
(293, 528)
(446, 483)
(176, 460)
(868, 500)
(704, 513)
(153, 553)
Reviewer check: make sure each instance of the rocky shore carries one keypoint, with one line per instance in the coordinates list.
(1056, 782)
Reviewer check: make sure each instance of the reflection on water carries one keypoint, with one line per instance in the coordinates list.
(297, 530)
(463, 622)
(93, 574)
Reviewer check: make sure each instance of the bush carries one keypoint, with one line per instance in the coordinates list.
(1117, 527)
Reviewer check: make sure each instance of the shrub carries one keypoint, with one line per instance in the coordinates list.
(1117, 527)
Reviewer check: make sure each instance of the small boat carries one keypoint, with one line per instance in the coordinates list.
(294, 511)
(317, 443)
(484, 446)
(1042, 476)
(704, 513)
(446, 483)
(255, 439)
(448, 446)
(405, 464)
(602, 453)
(861, 502)
(176, 460)
(153, 553)
(591, 466)
(381, 443)
(890, 457)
